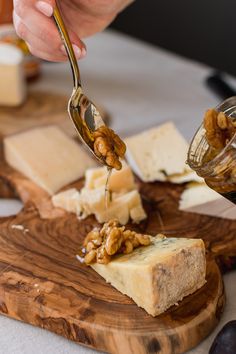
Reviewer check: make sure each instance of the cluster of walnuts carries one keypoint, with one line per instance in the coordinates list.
(101, 244)
(220, 129)
(109, 146)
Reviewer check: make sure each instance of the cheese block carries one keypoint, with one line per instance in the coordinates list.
(119, 181)
(160, 154)
(12, 82)
(47, 156)
(159, 275)
(199, 198)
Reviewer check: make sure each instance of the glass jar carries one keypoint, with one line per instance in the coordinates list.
(220, 172)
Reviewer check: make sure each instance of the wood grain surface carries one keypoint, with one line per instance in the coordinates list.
(41, 108)
(43, 284)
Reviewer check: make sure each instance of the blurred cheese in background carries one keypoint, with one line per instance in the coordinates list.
(12, 79)
(31, 64)
(199, 198)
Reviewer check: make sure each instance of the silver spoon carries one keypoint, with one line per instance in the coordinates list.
(83, 113)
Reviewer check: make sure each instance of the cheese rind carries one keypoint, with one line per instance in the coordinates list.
(47, 156)
(199, 198)
(159, 275)
(160, 154)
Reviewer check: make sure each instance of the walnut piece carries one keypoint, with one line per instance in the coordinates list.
(109, 146)
(219, 129)
(101, 245)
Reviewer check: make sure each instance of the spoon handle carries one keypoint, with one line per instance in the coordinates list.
(67, 43)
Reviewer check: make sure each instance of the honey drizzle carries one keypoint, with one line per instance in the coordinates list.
(107, 190)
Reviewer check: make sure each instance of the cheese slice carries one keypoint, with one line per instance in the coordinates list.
(47, 156)
(199, 198)
(160, 154)
(12, 82)
(159, 275)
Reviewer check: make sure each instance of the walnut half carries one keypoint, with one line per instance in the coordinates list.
(109, 147)
(219, 129)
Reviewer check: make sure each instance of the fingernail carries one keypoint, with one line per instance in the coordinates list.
(83, 52)
(77, 51)
(63, 49)
(45, 8)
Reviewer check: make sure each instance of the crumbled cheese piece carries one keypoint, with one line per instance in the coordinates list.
(18, 227)
(119, 181)
(68, 200)
(125, 203)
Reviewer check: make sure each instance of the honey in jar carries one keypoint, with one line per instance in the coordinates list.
(212, 152)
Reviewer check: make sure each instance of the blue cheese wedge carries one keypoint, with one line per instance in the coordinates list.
(160, 275)
(160, 154)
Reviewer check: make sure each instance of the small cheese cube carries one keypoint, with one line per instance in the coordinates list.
(199, 198)
(47, 156)
(115, 210)
(92, 174)
(122, 207)
(12, 82)
(93, 200)
(138, 214)
(132, 199)
(159, 275)
(158, 153)
(119, 182)
(68, 200)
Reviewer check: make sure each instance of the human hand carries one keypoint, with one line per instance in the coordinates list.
(33, 23)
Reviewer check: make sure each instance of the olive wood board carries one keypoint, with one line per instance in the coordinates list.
(40, 108)
(43, 284)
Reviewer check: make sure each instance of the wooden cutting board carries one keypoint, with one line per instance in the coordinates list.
(43, 284)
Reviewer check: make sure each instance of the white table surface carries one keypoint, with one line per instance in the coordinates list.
(140, 86)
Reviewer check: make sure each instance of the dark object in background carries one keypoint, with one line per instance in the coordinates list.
(225, 341)
(217, 83)
(201, 30)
